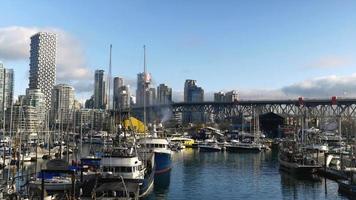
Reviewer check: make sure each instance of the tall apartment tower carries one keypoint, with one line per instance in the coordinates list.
(164, 94)
(43, 64)
(63, 103)
(118, 83)
(6, 90)
(100, 99)
(140, 89)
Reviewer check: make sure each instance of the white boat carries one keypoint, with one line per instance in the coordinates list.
(237, 146)
(163, 154)
(56, 183)
(209, 146)
(123, 173)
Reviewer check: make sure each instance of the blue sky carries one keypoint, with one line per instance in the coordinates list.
(244, 45)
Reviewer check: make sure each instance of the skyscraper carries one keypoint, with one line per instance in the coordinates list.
(140, 89)
(143, 87)
(219, 97)
(164, 94)
(193, 93)
(100, 99)
(6, 90)
(118, 83)
(63, 103)
(124, 97)
(232, 96)
(43, 64)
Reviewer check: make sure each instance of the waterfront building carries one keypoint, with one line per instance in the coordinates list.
(62, 104)
(92, 119)
(193, 93)
(6, 91)
(164, 94)
(26, 119)
(35, 98)
(100, 98)
(43, 64)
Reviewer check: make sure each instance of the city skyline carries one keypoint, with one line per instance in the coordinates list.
(237, 48)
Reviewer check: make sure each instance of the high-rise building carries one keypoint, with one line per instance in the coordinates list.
(151, 96)
(36, 99)
(100, 99)
(232, 96)
(124, 97)
(62, 104)
(140, 89)
(118, 83)
(43, 64)
(193, 93)
(144, 87)
(6, 90)
(164, 94)
(219, 97)
(89, 103)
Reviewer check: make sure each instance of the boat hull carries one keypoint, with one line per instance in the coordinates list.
(295, 168)
(51, 186)
(147, 185)
(347, 188)
(242, 149)
(209, 149)
(163, 162)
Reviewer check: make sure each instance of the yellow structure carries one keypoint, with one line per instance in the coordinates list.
(134, 124)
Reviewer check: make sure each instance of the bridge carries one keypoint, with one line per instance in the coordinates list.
(313, 108)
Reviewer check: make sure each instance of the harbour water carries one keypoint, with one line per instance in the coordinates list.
(221, 175)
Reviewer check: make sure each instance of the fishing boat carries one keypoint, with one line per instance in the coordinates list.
(124, 174)
(163, 154)
(297, 160)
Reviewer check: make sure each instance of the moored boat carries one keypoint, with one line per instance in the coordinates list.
(163, 154)
(210, 146)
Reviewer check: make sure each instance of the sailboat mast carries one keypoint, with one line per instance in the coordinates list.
(144, 87)
(109, 78)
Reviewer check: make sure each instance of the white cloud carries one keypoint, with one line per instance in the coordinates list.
(331, 62)
(324, 87)
(71, 62)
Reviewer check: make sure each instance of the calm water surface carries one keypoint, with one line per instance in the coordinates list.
(203, 175)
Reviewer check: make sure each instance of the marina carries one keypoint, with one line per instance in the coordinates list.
(174, 100)
(197, 174)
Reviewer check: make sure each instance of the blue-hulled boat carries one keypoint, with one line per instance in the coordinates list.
(163, 154)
